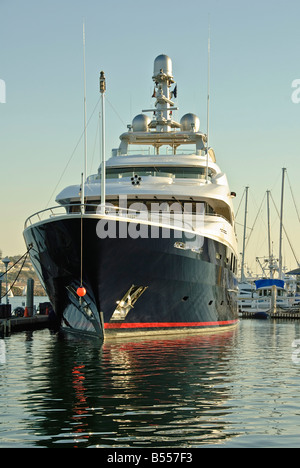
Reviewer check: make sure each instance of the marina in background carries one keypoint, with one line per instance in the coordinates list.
(276, 293)
(20, 269)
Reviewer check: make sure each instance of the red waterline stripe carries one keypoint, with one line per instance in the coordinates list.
(168, 324)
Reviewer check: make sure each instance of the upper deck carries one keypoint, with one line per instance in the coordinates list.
(171, 161)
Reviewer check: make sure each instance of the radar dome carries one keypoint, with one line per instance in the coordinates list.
(190, 123)
(140, 123)
(162, 62)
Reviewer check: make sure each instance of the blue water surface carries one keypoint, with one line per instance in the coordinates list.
(238, 388)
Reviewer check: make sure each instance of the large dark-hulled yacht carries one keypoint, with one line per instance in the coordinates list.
(149, 241)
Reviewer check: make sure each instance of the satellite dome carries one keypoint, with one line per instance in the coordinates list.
(190, 123)
(162, 62)
(140, 123)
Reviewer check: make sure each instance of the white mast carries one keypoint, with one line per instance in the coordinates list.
(85, 136)
(244, 237)
(281, 224)
(103, 169)
(269, 228)
(271, 259)
(208, 97)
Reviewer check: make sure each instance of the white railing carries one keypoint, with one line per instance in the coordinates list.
(172, 219)
(45, 214)
(91, 209)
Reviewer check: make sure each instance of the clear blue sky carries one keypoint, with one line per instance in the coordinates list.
(254, 125)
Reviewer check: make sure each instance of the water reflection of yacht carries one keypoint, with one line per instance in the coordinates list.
(159, 254)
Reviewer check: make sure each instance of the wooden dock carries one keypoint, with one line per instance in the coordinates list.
(18, 324)
(285, 314)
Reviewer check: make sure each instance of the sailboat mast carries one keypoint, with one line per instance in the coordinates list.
(244, 236)
(269, 228)
(271, 266)
(281, 223)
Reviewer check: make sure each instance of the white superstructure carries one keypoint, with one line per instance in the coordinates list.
(170, 163)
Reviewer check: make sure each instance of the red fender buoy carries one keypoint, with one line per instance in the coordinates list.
(81, 291)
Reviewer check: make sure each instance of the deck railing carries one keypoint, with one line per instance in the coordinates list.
(166, 217)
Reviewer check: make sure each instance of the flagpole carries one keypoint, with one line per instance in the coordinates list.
(208, 97)
(103, 169)
(85, 136)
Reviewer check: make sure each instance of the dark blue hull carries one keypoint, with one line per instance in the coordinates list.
(142, 285)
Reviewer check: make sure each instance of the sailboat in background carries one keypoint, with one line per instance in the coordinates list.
(10, 293)
(256, 294)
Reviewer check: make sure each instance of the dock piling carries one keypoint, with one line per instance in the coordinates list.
(29, 296)
(274, 300)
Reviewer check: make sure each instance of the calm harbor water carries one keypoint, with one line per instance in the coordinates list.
(234, 389)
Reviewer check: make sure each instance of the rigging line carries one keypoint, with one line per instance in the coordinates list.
(258, 213)
(276, 181)
(241, 224)
(84, 101)
(95, 142)
(81, 231)
(25, 254)
(81, 246)
(284, 230)
(115, 111)
(73, 152)
(293, 196)
(240, 203)
(10, 288)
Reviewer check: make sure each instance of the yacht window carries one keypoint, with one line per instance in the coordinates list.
(188, 206)
(165, 205)
(74, 208)
(158, 171)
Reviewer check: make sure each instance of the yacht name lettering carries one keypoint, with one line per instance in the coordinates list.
(118, 458)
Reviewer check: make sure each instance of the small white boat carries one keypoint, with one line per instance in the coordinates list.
(10, 293)
(261, 296)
